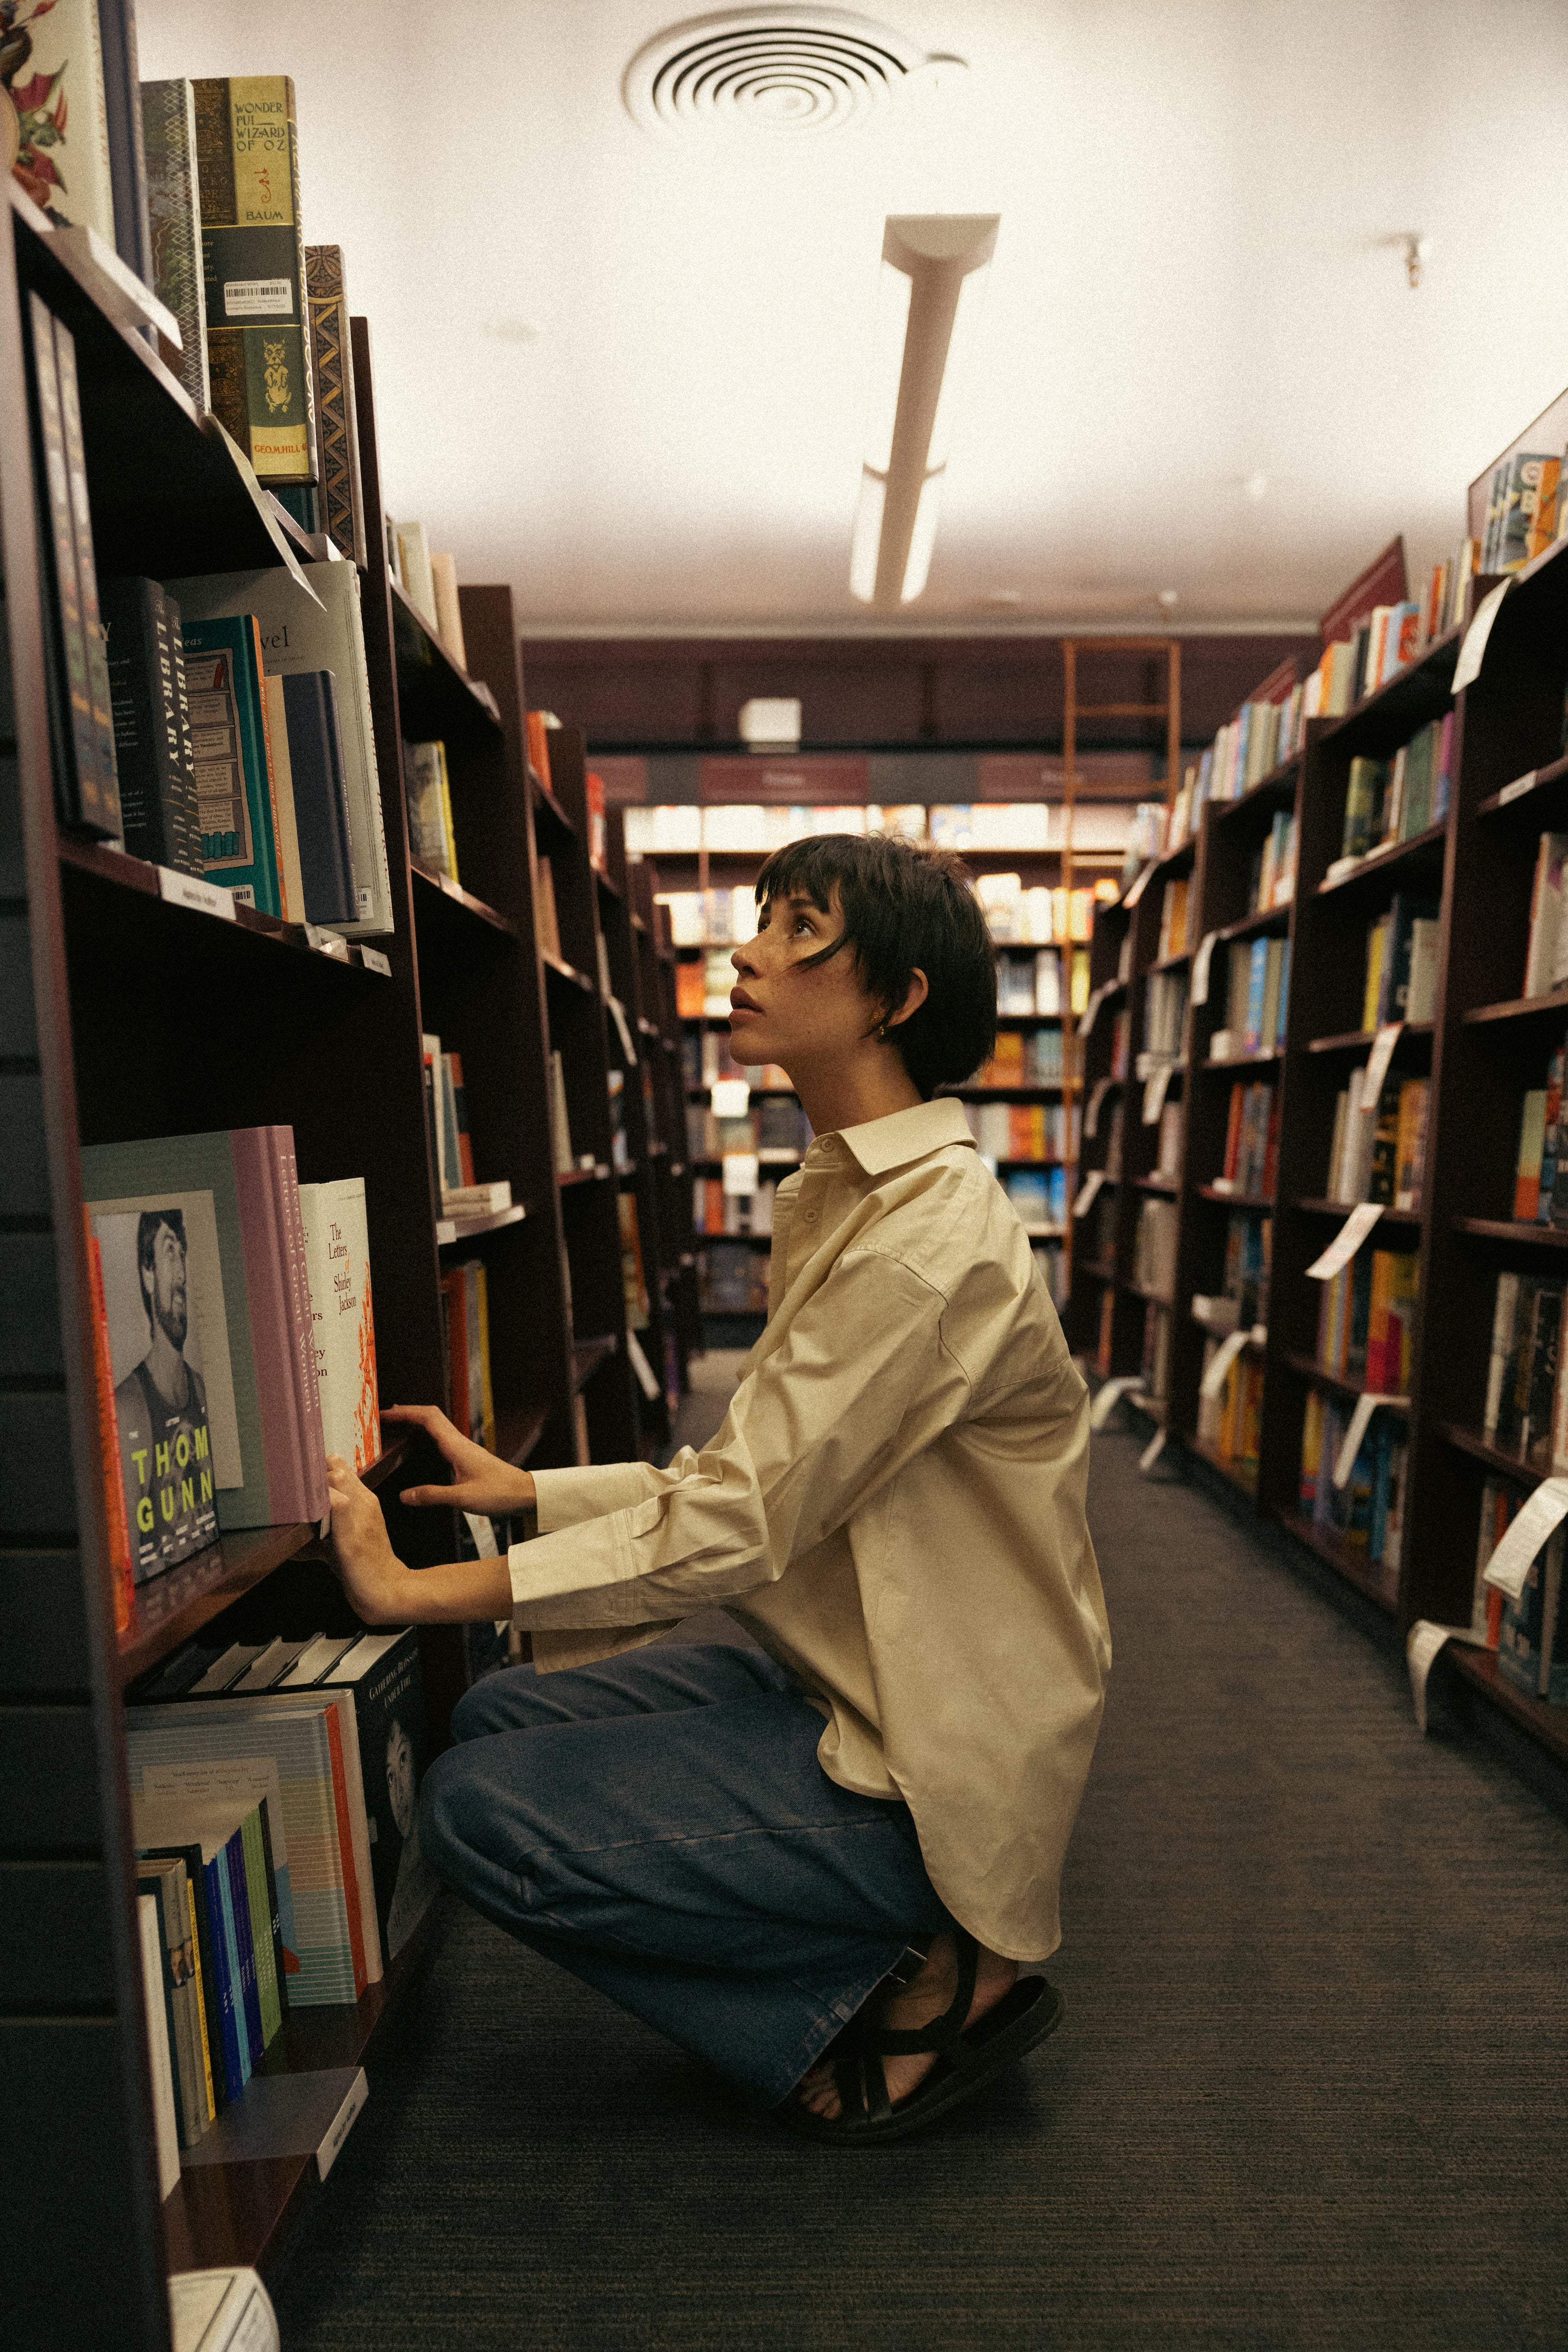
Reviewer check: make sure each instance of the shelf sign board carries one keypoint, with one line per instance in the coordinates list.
(1201, 962)
(194, 891)
(374, 960)
(1510, 1564)
(1473, 652)
(1518, 789)
(1085, 1192)
(1366, 1404)
(730, 1097)
(1421, 1645)
(1377, 1065)
(1214, 1380)
(1346, 1242)
(328, 943)
(740, 1173)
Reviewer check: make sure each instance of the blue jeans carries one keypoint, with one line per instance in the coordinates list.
(661, 1826)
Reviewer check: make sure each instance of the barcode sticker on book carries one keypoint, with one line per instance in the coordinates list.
(257, 298)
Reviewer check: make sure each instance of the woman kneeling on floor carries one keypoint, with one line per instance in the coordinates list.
(821, 1862)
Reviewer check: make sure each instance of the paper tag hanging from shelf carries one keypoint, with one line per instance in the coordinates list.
(1510, 1564)
(1110, 1396)
(1092, 1116)
(1423, 1646)
(1346, 1242)
(1200, 992)
(1214, 1380)
(1377, 1065)
(1473, 652)
(1155, 1089)
(1365, 1406)
(1087, 1190)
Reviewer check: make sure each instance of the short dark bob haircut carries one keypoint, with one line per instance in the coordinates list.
(905, 906)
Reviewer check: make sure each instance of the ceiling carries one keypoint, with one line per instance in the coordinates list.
(626, 371)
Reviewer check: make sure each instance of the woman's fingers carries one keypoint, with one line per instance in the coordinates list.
(416, 1496)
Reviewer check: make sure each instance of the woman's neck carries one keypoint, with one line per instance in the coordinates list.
(872, 1085)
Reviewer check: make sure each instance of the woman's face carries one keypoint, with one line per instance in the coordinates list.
(799, 1018)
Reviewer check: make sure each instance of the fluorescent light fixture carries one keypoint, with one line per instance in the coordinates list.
(935, 267)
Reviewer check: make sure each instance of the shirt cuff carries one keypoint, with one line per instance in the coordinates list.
(565, 1498)
(573, 1579)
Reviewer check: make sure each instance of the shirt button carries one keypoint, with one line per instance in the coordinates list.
(812, 1215)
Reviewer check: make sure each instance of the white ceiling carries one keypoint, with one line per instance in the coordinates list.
(627, 373)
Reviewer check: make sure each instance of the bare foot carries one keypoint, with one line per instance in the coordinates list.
(904, 2007)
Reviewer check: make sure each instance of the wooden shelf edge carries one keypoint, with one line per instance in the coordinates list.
(1554, 772)
(1520, 1008)
(443, 657)
(1343, 1556)
(518, 1432)
(1267, 787)
(123, 872)
(1477, 1442)
(1258, 922)
(456, 896)
(571, 1176)
(1315, 1208)
(567, 971)
(1348, 1040)
(587, 1355)
(1318, 1375)
(1379, 861)
(1549, 1725)
(1262, 1201)
(1241, 1477)
(1509, 1229)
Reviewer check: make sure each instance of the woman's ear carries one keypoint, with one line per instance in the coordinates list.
(915, 996)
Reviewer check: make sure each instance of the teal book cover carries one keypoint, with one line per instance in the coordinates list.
(234, 790)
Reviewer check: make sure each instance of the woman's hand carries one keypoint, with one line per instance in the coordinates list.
(480, 1481)
(371, 1573)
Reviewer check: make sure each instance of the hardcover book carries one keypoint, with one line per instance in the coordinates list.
(321, 805)
(337, 1258)
(228, 729)
(383, 1675)
(150, 743)
(337, 432)
(233, 1188)
(61, 156)
(160, 1397)
(174, 221)
(83, 794)
(253, 269)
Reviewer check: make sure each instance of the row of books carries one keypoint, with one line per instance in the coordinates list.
(1256, 989)
(1036, 916)
(1367, 1513)
(1165, 1014)
(466, 1335)
(1546, 953)
(770, 1124)
(235, 1340)
(1173, 920)
(1527, 509)
(1530, 1634)
(1367, 1317)
(429, 581)
(1039, 1196)
(446, 1106)
(732, 1278)
(1541, 1172)
(1242, 1301)
(1030, 984)
(1155, 1361)
(707, 1056)
(1251, 1142)
(1029, 1057)
(1378, 1152)
(1272, 872)
(1154, 1247)
(1050, 1263)
(681, 829)
(1024, 1130)
(1228, 1423)
(1526, 1408)
(1173, 1127)
(432, 836)
(1401, 982)
(1391, 801)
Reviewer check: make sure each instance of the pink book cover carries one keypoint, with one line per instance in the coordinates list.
(291, 1240)
(290, 1492)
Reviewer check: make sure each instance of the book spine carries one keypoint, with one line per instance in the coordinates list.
(288, 1491)
(263, 1926)
(245, 1945)
(174, 221)
(200, 1978)
(350, 1875)
(81, 797)
(87, 574)
(227, 1946)
(337, 432)
(253, 269)
(274, 1910)
(129, 612)
(291, 1238)
(151, 1886)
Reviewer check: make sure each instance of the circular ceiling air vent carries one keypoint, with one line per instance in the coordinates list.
(767, 69)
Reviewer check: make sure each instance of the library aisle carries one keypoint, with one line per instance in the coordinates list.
(1313, 2089)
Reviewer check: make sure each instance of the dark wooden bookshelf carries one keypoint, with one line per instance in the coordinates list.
(1485, 1046)
(280, 1023)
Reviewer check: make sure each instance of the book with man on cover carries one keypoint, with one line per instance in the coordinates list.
(160, 1397)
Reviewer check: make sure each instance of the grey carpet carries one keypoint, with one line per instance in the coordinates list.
(1310, 2091)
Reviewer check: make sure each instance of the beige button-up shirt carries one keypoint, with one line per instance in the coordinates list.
(893, 1508)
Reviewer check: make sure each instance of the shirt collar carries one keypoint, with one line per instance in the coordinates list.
(879, 1144)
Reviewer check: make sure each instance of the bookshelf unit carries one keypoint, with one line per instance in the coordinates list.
(1484, 1047)
(123, 1015)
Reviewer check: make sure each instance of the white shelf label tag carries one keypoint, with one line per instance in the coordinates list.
(1091, 1010)
(730, 1097)
(1423, 1644)
(194, 891)
(1518, 789)
(374, 960)
(1153, 1451)
(1091, 1116)
(1200, 990)
(740, 1173)
(1510, 1564)
(328, 943)
(1212, 1383)
(1085, 1192)
(1473, 652)
(1346, 1242)
(1377, 1069)
(1366, 1404)
(1111, 1395)
(1155, 1089)
(1138, 887)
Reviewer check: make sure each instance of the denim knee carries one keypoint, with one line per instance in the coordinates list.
(447, 1799)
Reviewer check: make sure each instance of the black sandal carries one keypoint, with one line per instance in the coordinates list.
(868, 2117)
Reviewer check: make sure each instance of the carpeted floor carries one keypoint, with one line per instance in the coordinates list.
(1311, 2091)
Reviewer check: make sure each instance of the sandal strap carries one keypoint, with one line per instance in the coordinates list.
(944, 2034)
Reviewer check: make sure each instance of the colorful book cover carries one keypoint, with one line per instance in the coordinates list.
(174, 221)
(51, 69)
(160, 1396)
(223, 680)
(337, 1254)
(382, 1673)
(253, 267)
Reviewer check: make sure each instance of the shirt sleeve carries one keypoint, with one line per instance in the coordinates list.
(858, 1383)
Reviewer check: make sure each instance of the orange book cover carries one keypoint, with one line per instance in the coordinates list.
(690, 992)
(1007, 1060)
(1233, 1128)
(108, 1439)
(538, 746)
(454, 1290)
(596, 789)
